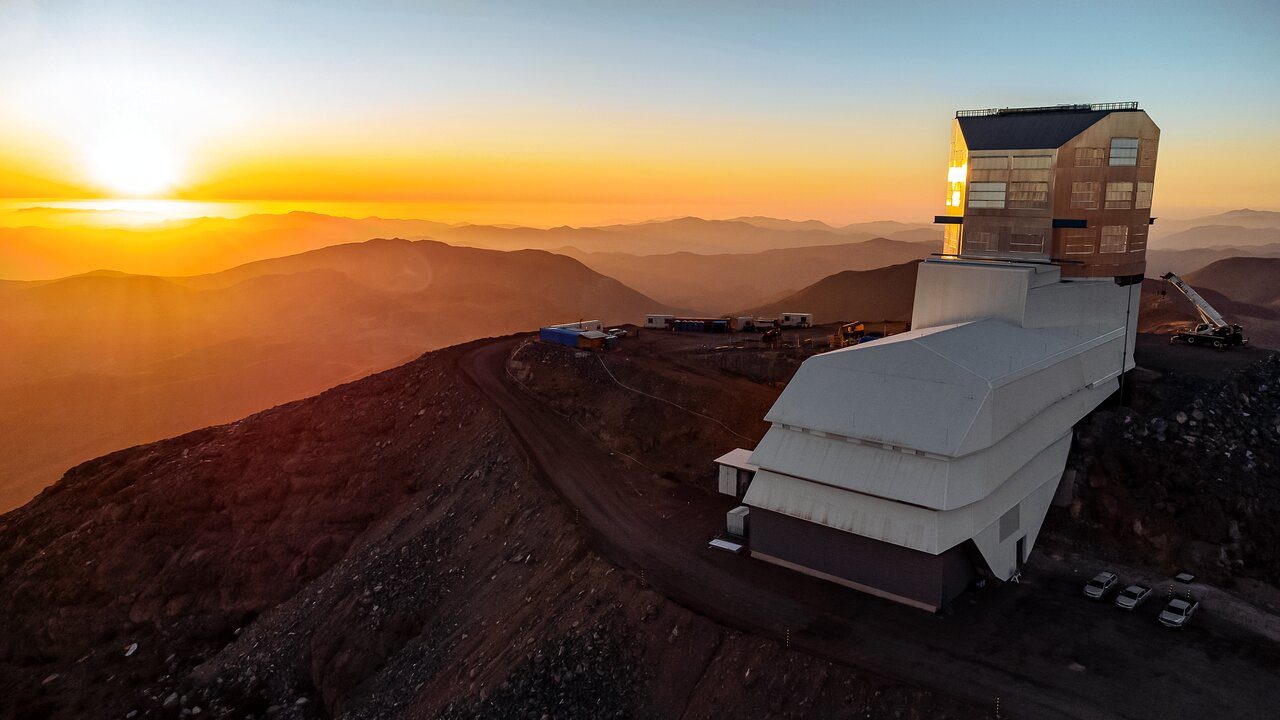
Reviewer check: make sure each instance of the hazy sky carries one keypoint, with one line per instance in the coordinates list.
(578, 112)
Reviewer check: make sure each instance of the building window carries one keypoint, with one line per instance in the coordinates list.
(983, 240)
(1120, 196)
(1138, 239)
(1026, 243)
(1032, 168)
(1115, 239)
(1124, 151)
(1143, 200)
(1084, 195)
(1028, 195)
(986, 195)
(1032, 162)
(1079, 242)
(989, 169)
(1089, 157)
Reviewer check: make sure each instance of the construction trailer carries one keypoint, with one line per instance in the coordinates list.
(586, 334)
(745, 323)
(703, 325)
(909, 466)
(658, 321)
(795, 320)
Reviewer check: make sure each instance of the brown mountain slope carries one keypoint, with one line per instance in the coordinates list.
(720, 283)
(881, 294)
(383, 550)
(103, 361)
(1254, 280)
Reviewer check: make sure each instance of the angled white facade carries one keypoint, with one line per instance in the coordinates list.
(955, 431)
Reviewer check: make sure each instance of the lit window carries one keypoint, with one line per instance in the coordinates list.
(955, 174)
(1119, 196)
(986, 195)
(1115, 238)
(1124, 151)
(1143, 200)
(1089, 157)
(1028, 195)
(955, 198)
(1084, 195)
(1079, 242)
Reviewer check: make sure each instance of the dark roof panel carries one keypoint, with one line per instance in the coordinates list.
(1027, 130)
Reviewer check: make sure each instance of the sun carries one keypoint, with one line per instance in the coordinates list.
(130, 162)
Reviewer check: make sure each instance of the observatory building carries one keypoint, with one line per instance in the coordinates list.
(907, 466)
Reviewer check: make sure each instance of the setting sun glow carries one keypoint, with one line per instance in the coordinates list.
(130, 163)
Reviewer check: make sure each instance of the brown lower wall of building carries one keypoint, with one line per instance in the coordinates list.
(882, 568)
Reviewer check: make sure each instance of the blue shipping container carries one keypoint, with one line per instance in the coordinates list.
(561, 336)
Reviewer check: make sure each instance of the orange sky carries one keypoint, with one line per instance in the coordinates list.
(576, 116)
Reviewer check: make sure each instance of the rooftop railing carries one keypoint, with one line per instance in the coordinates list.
(1081, 107)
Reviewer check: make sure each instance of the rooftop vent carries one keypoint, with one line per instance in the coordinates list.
(1080, 107)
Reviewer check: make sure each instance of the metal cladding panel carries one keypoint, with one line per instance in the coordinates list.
(931, 390)
(918, 528)
(860, 467)
(956, 291)
(738, 458)
(929, 481)
(872, 517)
(871, 565)
(560, 336)
(849, 391)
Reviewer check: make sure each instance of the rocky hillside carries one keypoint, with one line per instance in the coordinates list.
(381, 550)
(1189, 474)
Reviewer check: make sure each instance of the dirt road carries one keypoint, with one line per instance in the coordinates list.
(1038, 647)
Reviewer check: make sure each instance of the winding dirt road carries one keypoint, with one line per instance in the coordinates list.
(1038, 647)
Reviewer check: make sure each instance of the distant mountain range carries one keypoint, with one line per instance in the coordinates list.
(716, 284)
(43, 243)
(106, 360)
(886, 293)
(1237, 228)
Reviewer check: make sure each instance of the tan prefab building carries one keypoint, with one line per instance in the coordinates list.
(1070, 184)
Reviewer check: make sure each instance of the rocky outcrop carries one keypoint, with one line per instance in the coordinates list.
(1190, 474)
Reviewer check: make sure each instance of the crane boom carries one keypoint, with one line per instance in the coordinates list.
(1207, 313)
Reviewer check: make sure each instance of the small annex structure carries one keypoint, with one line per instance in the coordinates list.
(909, 466)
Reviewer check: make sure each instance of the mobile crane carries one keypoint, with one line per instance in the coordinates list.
(1215, 331)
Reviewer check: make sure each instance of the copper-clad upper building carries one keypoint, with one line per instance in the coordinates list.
(1069, 184)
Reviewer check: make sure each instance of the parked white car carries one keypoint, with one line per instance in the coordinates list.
(1132, 596)
(1178, 612)
(1101, 585)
